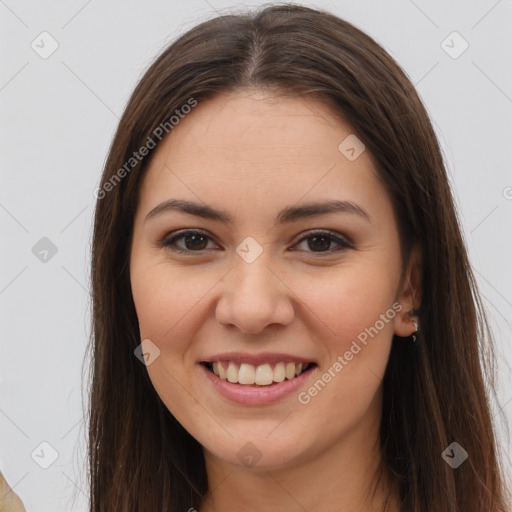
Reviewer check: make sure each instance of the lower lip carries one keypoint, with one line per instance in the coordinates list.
(246, 394)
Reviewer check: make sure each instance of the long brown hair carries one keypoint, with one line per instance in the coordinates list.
(436, 391)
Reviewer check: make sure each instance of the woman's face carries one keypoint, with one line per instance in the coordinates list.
(256, 290)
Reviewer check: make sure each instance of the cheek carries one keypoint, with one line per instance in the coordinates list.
(334, 306)
(353, 310)
(345, 301)
(169, 302)
(337, 304)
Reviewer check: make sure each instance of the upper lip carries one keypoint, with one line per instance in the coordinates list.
(256, 359)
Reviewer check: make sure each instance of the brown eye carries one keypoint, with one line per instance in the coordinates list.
(193, 241)
(320, 242)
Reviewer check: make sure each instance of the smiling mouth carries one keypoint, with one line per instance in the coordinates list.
(267, 374)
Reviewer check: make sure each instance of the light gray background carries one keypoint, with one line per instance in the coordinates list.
(58, 118)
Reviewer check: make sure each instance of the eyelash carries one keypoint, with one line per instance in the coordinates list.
(169, 243)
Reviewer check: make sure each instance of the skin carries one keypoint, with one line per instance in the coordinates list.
(253, 153)
(9, 500)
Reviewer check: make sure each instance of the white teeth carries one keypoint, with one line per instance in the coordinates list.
(247, 374)
(290, 371)
(279, 372)
(232, 373)
(262, 375)
(222, 372)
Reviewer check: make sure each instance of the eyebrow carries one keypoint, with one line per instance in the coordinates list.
(286, 215)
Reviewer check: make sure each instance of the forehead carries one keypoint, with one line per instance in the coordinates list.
(255, 123)
(250, 145)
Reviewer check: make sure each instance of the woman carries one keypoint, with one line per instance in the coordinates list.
(284, 313)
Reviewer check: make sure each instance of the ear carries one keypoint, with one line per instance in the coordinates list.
(409, 295)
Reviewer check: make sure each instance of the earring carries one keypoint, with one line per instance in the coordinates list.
(415, 330)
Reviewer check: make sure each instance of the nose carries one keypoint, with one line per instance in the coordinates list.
(254, 296)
